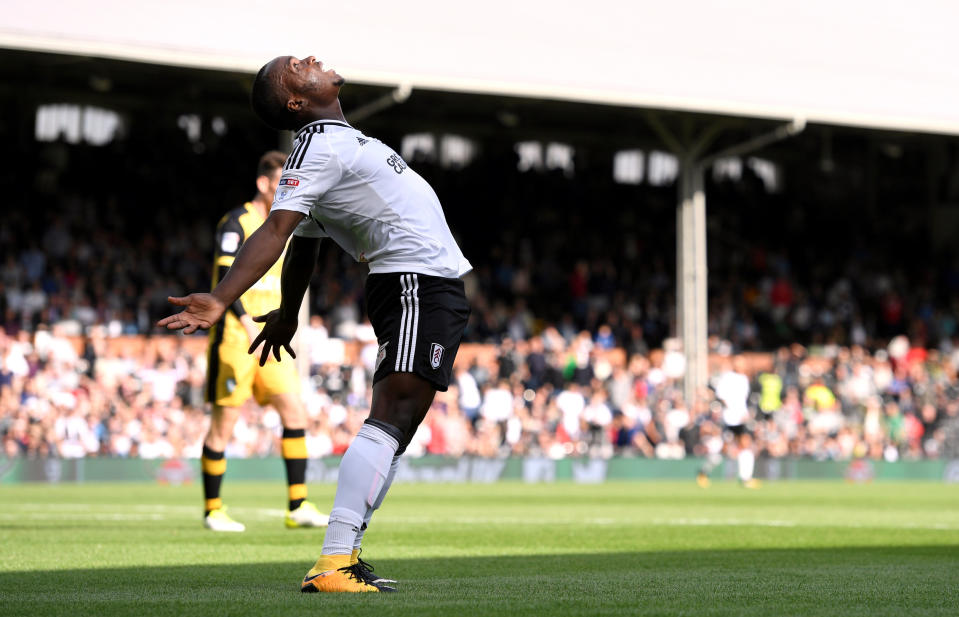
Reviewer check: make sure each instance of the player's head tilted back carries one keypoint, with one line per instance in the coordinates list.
(289, 92)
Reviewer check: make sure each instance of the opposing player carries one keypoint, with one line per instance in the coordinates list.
(342, 184)
(233, 376)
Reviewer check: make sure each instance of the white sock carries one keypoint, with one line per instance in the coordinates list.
(746, 460)
(376, 504)
(362, 475)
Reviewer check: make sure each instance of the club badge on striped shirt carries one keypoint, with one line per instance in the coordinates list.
(436, 355)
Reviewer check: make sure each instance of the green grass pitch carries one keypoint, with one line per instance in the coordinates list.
(790, 548)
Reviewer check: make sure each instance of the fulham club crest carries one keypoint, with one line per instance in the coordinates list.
(436, 355)
(380, 356)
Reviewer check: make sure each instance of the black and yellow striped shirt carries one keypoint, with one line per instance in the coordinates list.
(233, 229)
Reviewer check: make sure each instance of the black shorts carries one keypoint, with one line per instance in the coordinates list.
(419, 322)
(737, 429)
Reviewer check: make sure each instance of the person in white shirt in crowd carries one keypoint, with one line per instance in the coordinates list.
(315, 338)
(571, 404)
(497, 405)
(469, 394)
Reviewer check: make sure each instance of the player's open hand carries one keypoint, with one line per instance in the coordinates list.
(202, 311)
(276, 333)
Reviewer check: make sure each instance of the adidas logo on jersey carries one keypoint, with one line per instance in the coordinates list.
(362, 141)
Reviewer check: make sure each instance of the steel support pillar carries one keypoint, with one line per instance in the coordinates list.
(692, 302)
(691, 276)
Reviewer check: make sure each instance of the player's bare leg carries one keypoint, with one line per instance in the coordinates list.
(400, 402)
(222, 422)
(746, 461)
(300, 512)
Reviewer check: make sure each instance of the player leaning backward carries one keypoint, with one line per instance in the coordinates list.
(341, 184)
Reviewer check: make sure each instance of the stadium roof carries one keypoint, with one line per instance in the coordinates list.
(859, 62)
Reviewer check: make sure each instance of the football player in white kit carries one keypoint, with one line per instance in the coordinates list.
(342, 184)
(732, 390)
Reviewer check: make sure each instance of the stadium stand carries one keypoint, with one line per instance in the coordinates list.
(571, 266)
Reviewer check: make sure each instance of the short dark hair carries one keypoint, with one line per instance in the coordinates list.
(268, 102)
(270, 162)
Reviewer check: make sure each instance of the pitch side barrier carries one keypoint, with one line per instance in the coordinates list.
(467, 469)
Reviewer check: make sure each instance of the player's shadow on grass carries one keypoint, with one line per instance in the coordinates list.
(886, 580)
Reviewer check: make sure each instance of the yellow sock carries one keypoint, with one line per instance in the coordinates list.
(330, 562)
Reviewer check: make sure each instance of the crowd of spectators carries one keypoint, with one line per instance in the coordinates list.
(573, 286)
(546, 396)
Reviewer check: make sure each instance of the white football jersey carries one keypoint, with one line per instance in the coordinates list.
(732, 389)
(359, 192)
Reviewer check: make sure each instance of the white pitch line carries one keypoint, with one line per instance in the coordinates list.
(143, 507)
(156, 512)
(263, 512)
(89, 516)
(147, 507)
(143, 512)
(661, 522)
(733, 522)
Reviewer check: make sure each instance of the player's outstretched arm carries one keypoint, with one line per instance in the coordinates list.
(279, 325)
(259, 252)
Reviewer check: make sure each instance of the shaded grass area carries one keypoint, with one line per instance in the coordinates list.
(502, 549)
(853, 581)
